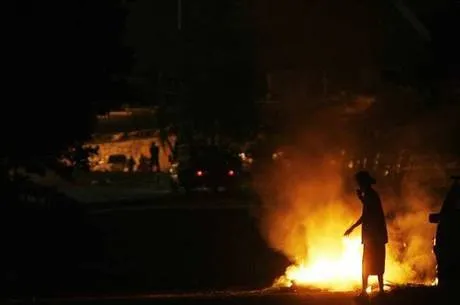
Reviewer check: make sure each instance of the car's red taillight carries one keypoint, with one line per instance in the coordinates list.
(231, 173)
(199, 173)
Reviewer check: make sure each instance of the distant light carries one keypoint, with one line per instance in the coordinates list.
(277, 155)
(350, 164)
(199, 173)
(231, 173)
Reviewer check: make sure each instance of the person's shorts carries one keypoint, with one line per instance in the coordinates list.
(374, 258)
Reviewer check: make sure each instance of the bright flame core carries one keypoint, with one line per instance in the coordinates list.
(335, 268)
(328, 270)
(336, 265)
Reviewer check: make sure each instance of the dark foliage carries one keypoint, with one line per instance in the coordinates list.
(201, 75)
(64, 61)
(220, 69)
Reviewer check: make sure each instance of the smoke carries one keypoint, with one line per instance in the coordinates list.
(411, 235)
(303, 196)
(308, 199)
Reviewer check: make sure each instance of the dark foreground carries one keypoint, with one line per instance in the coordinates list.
(161, 251)
(173, 244)
(402, 296)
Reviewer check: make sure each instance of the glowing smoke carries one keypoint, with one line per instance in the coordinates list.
(311, 202)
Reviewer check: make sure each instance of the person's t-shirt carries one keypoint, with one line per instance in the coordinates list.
(373, 228)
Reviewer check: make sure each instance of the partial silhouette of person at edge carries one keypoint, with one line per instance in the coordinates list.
(374, 231)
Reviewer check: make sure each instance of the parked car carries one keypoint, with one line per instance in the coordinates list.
(210, 167)
(117, 163)
(447, 241)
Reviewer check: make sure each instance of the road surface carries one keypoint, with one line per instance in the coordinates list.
(406, 296)
(199, 242)
(153, 252)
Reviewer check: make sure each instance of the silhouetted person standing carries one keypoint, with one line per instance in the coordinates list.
(154, 154)
(131, 164)
(373, 228)
(144, 164)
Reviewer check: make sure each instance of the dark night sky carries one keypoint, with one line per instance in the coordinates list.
(346, 38)
(287, 33)
(151, 30)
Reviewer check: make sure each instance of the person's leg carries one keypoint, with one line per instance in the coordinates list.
(380, 279)
(364, 283)
(365, 268)
(157, 171)
(381, 271)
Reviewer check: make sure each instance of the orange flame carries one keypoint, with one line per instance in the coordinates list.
(328, 270)
(312, 210)
(334, 263)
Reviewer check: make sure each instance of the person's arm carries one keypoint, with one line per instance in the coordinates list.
(356, 224)
(360, 195)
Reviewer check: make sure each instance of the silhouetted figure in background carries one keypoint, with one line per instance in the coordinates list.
(81, 158)
(131, 164)
(144, 166)
(374, 230)
(154, 160)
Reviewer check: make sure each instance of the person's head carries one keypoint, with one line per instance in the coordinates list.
(364, 179)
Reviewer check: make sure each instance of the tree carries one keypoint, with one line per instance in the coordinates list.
(64, 64)
(220, 75)
(201, 73)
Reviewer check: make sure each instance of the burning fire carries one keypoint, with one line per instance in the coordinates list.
(325, 259)
(333, 267)
(308, 217)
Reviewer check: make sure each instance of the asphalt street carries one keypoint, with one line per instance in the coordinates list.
(167, 244)
(199, 249)
(401, 296)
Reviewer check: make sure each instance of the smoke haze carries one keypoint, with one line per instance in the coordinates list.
(309, 199)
